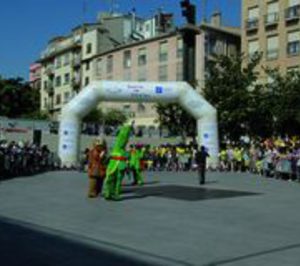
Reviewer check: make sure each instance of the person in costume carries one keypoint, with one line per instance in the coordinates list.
(96, 167)
(117, 165)
(136, 156)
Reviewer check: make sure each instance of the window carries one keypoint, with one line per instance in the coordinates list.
(294, 3)
(273, 13)
(86, 81)
(58, 62)
(109, 64)
(87, 66)
(163, 73)
(45, 85)
(272, 48)
(253, 14)
(142, 56)
(179, 71)
(99, 68)
(127, 59)
(142, 74)
(67, 59)
(67, 78)
(89, 48)
(163, 51)
(253, 47)
(58, 99)
(219, 47)
(58, 81)
(293, 47)
(293, 11)
(45, 103)
(141, 108)
(179, 48)
(66, 97)
(127, 109)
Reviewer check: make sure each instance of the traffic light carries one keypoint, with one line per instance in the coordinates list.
(188, 11)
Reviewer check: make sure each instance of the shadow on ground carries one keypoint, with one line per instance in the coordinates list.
(183, 193)
(25, 246)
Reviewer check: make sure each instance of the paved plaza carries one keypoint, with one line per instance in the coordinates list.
(235, 219)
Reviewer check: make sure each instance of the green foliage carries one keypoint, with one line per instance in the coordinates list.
(246, 105)
(18, 99)
(177, 120)
(112, 117)
(38, 115)
(95, 116)
(231, 87)
(115, 117)
(284, 95)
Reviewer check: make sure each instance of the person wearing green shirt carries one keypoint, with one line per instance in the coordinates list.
(136, 155)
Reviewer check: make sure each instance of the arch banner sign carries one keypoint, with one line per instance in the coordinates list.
(121, 91)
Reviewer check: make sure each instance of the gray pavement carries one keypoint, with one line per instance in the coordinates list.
(235, 219)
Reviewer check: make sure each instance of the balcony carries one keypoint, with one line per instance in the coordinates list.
(76, 83)
(272, 54)
(292, 13)
(271, 19)
(50, 89)
(76, 62)
(252, 24)
(50, 70)
(293, 48)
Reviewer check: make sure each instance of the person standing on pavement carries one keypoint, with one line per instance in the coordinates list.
(200, 157)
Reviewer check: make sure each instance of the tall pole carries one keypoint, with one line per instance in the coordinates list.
(204, 5)
(189, 32)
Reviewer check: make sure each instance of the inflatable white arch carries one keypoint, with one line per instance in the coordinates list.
(116, 91)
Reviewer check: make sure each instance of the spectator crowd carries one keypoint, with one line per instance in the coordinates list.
(273, 157)
(22, 158)
(277, 157)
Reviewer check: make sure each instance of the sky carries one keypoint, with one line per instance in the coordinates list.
(27, 25)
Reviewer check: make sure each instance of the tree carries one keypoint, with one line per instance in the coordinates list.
(18, 99)
(284, 95)
(115, 117)
(176, 120)
(39, 115)
(231, 86)
(95, 116)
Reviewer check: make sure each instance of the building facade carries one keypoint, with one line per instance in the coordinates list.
(161, 59)
(122, 47)
(272, 28)
(66, 63)
(35, 75)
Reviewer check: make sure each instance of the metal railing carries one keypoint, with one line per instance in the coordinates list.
(252, 24)
(292, 13)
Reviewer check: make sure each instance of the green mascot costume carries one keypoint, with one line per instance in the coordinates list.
(136, 155)
(117, 165)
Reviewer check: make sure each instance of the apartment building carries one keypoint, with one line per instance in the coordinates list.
(161, 59)
(35, 76)
(273, 28)
(66, 61)
(125, 47)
